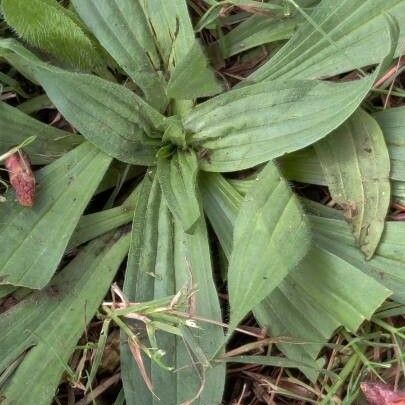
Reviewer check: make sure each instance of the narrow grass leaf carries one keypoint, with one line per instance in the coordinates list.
(48, 324)
(255, 31)
(271, 237)
(123, 30)
(356, 165)
(178, 180)
(34, 240)
(50, 27)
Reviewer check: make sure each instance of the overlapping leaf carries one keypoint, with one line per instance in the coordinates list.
(50, 142)
(336, 38)
(108, 115)
(271, 237)
(45, 327)
(304, 165)
(122, 29)
(163, 260)
(392, 122)
(263, 29)
(34, 240)
(314, 299)
(356, 165)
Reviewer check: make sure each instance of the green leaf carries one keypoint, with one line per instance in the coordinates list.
(337, 37)
(255, 31)
(304, 165)
(93, 225)
(50, 142)
(257, 123)
(310, 303)
(271, 237)
(171, 24)
(386, 266)
(392, 122)
(34, 240)
(162, 261)
(356, 164)
(48, 324)
(273, 361)
(108, 115)
(193, 77)
(178, 179)
(11, 84)
(50, 27)
(122, 29)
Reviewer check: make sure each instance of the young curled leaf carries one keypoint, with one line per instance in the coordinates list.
(380, 394)
(21, 178)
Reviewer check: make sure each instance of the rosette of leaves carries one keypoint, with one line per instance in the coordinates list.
(155, 118)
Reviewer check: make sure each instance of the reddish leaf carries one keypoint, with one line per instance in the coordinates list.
(21, 178)
(380, 394)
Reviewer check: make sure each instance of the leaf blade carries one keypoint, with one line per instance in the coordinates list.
(356, 165)
(258, 264)
(248, 126)
(50, 322)
(122, 29)
(178, 180)
(31, 247)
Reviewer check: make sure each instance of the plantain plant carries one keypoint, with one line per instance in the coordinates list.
(139, 90)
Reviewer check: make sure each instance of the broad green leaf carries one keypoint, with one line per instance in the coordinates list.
(50, 27)
(172, 28)
(392, 122)
(108, 115)
(45, 327)
(356, 165)
(340, 36)
(34, 240)
(122, 29)
(254, 124)
(162, 261)
(192, 77)
(387, 265)
(304, 165)
(306, 304)
(178, 179)
(271, 237)
(50, 142)
(93, 225)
